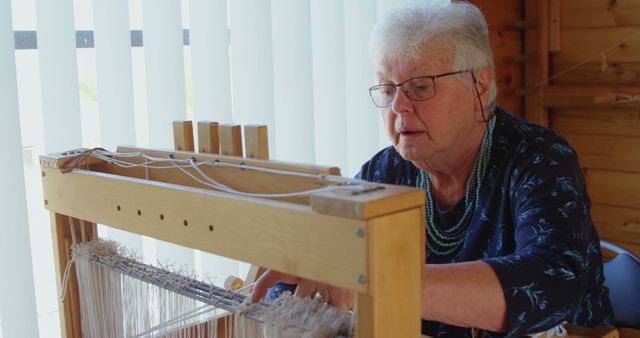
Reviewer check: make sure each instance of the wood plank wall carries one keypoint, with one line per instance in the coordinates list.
(507, 45)
(607, 138)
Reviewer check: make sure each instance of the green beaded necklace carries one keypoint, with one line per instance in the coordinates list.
(443, 242)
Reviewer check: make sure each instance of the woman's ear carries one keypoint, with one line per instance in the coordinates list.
(482, 82)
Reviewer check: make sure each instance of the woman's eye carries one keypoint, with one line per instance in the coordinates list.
(421, 89)
(387, 90)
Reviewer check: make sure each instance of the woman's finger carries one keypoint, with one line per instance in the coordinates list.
(267, 280)
(341, 298)
(323, 290)
(306, 288)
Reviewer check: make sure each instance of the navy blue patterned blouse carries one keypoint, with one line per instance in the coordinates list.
(533, 227)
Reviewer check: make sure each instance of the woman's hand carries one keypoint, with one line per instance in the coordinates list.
(337, 297)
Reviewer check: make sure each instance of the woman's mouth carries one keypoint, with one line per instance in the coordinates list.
(410, 135)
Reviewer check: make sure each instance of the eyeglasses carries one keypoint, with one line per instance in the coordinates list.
(419, 88)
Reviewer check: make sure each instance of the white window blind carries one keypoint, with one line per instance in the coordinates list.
(300, 66)
(166, 99)
(17, 297)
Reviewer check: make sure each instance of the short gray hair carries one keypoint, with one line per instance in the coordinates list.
(406, 30)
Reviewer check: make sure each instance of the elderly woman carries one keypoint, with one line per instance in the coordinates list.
(511, 246)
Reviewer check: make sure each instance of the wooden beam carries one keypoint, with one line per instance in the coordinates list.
(57, 160)
(613, 122)
(537, 72)
(217, 222)
(614, 74)
(366, 205)
(581, 97)
(571, 90)
(555, 25)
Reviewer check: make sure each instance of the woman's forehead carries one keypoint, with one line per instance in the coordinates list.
(430, 63)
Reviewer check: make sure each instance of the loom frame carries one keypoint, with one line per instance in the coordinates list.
(372, 243)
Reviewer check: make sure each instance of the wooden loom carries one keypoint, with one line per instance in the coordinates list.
(370, 242)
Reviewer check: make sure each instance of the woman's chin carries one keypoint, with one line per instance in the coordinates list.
(411, 153)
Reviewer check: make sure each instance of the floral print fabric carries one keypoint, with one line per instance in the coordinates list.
(533, 227)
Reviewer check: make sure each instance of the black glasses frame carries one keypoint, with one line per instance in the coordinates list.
(401, 84)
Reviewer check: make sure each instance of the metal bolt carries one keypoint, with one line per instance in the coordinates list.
(361, 279)
(43, 174)
(360, 232)
(46, 202)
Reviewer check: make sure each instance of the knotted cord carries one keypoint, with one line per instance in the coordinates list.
(151, 162)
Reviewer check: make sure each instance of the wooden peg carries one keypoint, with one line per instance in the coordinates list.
(183, 135)
(208, 137)
(230, 139)
(256, 141)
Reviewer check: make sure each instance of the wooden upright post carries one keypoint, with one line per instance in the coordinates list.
(69, 307)
(230, 140)
(183, 135)
(395, 273)
(256, 142)
(208, 137)
(537, 71)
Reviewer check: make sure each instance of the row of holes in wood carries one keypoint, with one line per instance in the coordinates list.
(184, 222)
(224, 139)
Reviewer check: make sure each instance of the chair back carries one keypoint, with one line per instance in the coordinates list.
(622, 278)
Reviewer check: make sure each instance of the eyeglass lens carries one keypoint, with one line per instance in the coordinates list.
(417, 89)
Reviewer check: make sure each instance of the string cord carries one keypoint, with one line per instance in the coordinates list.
(183, 164)
(65, 279)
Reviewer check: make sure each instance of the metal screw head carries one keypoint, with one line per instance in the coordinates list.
(361, 279)
(46, 202)
(360, 232)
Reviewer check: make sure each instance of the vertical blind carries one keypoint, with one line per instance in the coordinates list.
(17, 296)
(299, 66)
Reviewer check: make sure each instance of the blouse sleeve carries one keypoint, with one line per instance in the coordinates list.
(547, 275)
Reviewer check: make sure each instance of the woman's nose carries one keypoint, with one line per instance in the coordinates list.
(401, 102)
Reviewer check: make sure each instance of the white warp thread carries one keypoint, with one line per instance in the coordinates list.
(116, 305)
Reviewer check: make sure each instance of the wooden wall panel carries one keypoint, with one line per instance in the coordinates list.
(506, 42)
(591, 74)
(600, 13)
(619, 153)
(506, 45)
(618, 122)
(580, 45)
(500, 14)
(511, 103)
(509, 77)
(613, 188)
(600, 48)
(617, 223)
(604, 4)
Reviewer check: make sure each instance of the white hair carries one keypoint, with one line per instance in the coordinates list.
(406, 31)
